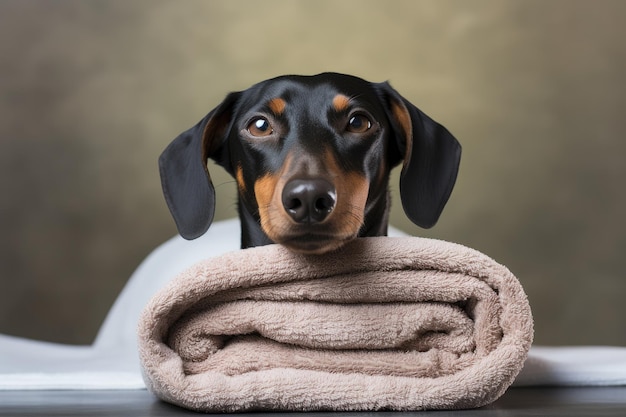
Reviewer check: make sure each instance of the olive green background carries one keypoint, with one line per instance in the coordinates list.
(92, 91)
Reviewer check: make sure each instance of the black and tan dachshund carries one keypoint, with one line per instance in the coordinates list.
(311, 156)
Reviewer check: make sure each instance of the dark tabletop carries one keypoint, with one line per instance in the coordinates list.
(545, 402)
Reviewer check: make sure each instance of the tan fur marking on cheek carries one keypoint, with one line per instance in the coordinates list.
(340, 102)
(268, 190)
(240, 181)
(264, 190)
(356, 188)
(277, 105)
(403, 118)
(352, 191)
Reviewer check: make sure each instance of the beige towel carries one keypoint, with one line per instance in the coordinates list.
(382, 324)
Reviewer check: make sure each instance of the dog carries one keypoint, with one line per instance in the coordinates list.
(311, 156)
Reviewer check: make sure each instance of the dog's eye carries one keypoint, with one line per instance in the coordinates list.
(260, 127)
(359, 123)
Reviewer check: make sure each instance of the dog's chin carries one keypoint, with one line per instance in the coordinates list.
(311, 244)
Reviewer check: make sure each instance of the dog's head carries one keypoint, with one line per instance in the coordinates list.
(311, 156)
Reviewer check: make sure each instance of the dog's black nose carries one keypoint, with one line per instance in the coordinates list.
(309, 201)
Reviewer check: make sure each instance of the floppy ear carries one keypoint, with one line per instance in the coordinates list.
(431, 157)
(185, 179)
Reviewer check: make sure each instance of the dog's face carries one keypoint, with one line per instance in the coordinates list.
(311, 156)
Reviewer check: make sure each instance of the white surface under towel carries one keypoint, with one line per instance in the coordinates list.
(111, 362)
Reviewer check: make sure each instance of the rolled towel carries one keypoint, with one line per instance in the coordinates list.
(382, 324)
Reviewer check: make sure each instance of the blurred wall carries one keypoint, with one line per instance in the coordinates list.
(91, 92)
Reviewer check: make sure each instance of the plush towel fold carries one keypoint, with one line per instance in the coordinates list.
(384, 323)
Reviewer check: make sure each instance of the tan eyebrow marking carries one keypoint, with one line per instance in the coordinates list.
(341, 102)
(277, 105)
